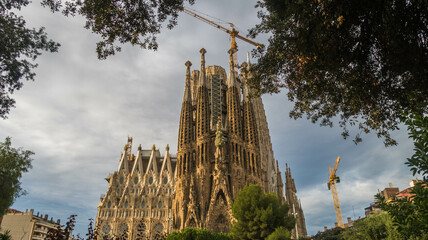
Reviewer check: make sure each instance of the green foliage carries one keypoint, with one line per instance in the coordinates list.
(197, 234)
(5, 236)
(417, 125)
(330, 234)
(122, 21)
(280, 234)
(258, 214)
(13, 163)
(19, 48)
(359, 63)
(410, 216)
(375, 227)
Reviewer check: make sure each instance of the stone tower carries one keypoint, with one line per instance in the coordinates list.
(219, 149)
(295, 206)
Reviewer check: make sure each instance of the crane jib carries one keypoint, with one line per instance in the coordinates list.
(233, 33)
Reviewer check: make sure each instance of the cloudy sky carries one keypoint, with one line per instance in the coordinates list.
(77, 114)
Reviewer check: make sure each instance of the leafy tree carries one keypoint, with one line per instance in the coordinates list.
(13, 162)
(360, 63)
(122, 21)
(330, 234)
(280, 234)
(258, 214)
(197, 234)
(410, 215)
(375, 227)
(19, 48)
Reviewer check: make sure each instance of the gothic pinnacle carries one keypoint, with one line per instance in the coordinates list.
(203, 51)
(245, 80)
(232, 79)
(187, 95)
(202, 77)
(188, 64)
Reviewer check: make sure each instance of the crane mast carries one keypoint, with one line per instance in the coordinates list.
(333, 179)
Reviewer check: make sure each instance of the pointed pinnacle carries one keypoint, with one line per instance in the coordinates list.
(188, 64)
(202, 77)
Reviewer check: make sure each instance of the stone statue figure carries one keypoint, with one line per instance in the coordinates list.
(219, 142)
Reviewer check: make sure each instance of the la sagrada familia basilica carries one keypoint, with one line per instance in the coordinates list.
(223, 145)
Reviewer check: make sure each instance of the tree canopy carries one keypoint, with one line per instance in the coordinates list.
(122, 21)
(280, 234)
(330, 234)
(19, 48)
(13, 163)
(375, 227)
(360, 63)
(259, 214)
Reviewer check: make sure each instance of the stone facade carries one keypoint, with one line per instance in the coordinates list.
(137, 204)
(223, 145)
(296, 210)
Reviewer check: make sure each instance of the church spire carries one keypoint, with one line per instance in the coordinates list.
(202, 105)
(233, 100)
(293, 200)
(185, 128)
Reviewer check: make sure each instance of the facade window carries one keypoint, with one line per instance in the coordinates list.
(136, 180)
(106, 229)
(121, 180)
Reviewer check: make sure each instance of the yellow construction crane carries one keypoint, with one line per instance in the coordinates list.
(232, 32)
(332, 185)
